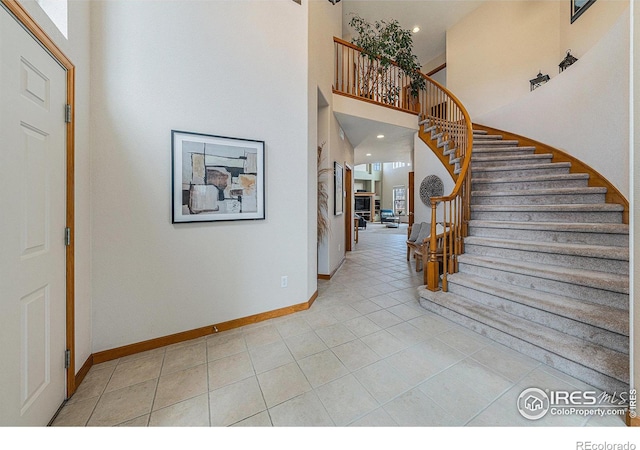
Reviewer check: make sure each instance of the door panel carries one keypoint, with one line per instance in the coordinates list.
(35, 239)
(33, 202)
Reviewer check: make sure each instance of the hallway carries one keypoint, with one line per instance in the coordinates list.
(365, 354)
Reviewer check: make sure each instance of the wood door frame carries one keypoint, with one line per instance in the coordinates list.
(348, 210)
(32, 27)
(410, 192)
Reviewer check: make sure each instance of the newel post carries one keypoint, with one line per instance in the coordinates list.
(432, 271)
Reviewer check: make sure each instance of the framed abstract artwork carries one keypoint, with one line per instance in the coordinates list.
(338, 205)
(216, 178)
(578, 7)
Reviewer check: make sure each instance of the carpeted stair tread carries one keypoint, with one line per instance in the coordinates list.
(550, 177)
(549, 191)
(546, 264)
(601, 359)
(511, 159)
(616, 234)
(488, 136)
(609, 228)
(482, 152)
(569, 207)
(522, 167)
(601, 316)
(484, 143)
(581, 277)
(591, 251)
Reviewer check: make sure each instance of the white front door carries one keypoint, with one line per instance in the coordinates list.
(32, 223)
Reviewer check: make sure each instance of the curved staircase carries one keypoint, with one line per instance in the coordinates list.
(546, 264)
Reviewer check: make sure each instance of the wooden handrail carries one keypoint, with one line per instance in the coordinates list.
(452, 121)
(346, 43)
(361, 76)
(469, 128)
(356, 48)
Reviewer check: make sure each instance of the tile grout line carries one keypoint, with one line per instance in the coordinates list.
(93, 410)
(155, 392)
(206, 358)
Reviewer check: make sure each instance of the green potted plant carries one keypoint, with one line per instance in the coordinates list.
(387, 42)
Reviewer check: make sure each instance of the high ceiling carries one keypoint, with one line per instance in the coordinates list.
(433, 17)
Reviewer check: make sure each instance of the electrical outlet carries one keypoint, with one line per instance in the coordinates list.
(284, 281)
(339, 247)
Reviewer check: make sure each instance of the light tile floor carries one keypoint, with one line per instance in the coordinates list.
(365, 354)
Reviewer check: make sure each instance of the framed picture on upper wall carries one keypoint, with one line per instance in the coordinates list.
(578, 7)
(338, 205)
(216, 178)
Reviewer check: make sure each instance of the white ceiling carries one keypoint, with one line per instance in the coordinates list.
(362, 133)
(433, 17)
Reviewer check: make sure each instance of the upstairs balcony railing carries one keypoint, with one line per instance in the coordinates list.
(359, 76)
(442, 116)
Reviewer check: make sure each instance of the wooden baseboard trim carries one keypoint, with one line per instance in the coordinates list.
(312, 299)
(632, 421)
(84, 370)
(322, 276)
(151, 344)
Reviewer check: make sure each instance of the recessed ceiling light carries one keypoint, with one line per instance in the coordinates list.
(368, 154)
(416, 29)
(380, 136)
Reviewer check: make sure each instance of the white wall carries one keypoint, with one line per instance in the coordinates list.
(366, 178)
(531, 36)
(235, 69)
(440, 77)
(434, 63)
(584, 110)
(590, 27)
(325, 22)
(495, 70)
(76, 48)
(427, 163)
(391, 178)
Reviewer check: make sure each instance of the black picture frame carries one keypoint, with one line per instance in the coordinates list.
(338, 178)
(216, 178)
(578, 7)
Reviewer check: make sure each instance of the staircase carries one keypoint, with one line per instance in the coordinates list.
(546, 265)
(431, 132)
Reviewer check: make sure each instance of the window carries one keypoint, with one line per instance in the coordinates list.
(57, 12)
(397, 165)
(399, 200)
(377, 167)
